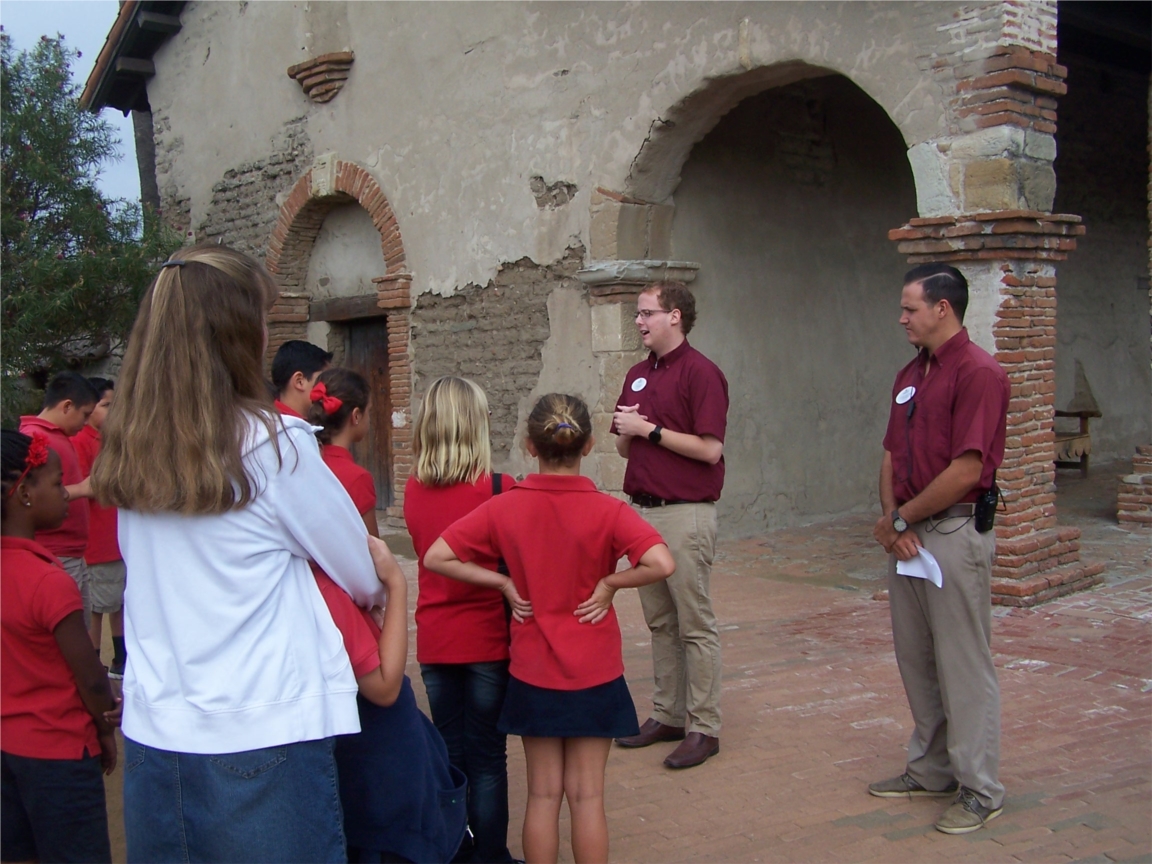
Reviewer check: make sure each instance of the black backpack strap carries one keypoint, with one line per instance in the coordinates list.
(497, 484)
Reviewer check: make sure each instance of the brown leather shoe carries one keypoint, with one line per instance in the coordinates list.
(651, 732)
(697, 747)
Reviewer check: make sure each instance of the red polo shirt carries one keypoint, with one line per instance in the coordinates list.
(102, 542)
(41, 713)
(962, 405)
(284, 409)
(361, 635)
(683, 391)
(455, 622)
(358, 481)
(559, 537)
(71, 538)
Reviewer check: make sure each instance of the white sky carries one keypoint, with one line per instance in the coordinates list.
(84, 24)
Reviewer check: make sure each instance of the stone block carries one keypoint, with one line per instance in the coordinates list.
(660, 230)
(997, 141)
(991, 184)
(1037, 184)
(613, 328)
(1038, 145)
(632, 232)
(602, 230)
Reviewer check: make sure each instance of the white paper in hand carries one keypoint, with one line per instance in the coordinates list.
(922, 566)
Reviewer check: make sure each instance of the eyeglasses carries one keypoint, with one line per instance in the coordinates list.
(648, 313)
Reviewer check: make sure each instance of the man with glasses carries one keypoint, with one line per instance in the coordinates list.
(670, 421)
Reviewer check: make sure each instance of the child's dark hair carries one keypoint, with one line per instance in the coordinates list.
(69, 385)
(339, 385)
(294, 356)
(102, 385)
(559, 427)
(13, 455)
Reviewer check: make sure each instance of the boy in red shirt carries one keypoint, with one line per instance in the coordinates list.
(55, 700)
(69, 400)
(106, 570)
(295, 368)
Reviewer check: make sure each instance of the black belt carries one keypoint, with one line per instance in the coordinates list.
(642, 499)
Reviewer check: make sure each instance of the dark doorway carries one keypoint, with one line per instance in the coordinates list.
(367, 353)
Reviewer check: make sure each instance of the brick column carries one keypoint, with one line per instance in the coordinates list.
(1009, 258)
(393, 293)
(287, 320)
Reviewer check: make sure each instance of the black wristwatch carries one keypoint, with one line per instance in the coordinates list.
(654, 435)
(898, 522)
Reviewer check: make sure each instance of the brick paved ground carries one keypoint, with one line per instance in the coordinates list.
(814, 710)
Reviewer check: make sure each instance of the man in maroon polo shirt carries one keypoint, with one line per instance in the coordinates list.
(945, 440)
(670, 421)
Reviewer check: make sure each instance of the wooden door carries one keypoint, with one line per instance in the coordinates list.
(367, 353)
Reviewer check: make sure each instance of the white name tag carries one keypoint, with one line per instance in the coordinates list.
(905, 394)
(639, 384)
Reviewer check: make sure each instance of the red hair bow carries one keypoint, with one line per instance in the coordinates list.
(37, 457)
(331, 404)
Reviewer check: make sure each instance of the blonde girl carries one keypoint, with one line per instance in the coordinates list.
(461, 629)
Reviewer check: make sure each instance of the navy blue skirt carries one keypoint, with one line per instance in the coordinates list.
(603, 711)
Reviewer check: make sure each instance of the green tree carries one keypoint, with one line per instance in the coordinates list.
(73, 263)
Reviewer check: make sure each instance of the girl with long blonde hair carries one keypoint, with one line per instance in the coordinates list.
(237, 681)
(461, 630)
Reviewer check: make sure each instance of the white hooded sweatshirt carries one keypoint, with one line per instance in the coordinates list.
(230, 644)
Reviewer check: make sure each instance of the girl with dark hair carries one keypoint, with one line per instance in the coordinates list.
(55, 700)
(340, 409)
(567, 697)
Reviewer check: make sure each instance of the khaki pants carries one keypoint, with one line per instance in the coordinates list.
(685, 640)
(943, 639)
(78, 570)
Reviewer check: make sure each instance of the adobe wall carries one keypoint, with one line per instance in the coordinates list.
(1102, 163)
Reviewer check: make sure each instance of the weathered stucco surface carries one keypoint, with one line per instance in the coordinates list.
(772, 143)
(786, 206)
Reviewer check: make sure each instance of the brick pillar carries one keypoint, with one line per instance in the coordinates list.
(393, 293)
(287, 320)
(1009, 258)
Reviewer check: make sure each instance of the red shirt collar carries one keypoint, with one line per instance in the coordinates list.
(949, 349)
(557, 483)
(46, 425)
(89, 432)
(335, 451)
(671, 357)
(284, 409)
(7, 542)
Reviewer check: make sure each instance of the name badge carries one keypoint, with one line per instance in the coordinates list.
(639, 384)
(905, 394)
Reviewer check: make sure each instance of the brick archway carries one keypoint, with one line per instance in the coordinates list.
(329, 183)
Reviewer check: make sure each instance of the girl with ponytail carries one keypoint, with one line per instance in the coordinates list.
(567, 698)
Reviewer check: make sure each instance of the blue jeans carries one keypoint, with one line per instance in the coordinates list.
(53, 810)
(274, 804)
(466, 700)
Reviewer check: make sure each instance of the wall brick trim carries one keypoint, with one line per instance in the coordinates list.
(337, 182)
(321, 78)
(1036, 560)
(1014, 85)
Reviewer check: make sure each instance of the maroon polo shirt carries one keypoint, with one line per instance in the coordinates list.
(962, 405)
(683, 391)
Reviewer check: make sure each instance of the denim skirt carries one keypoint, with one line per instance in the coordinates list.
(603, 711)
(273, 804)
